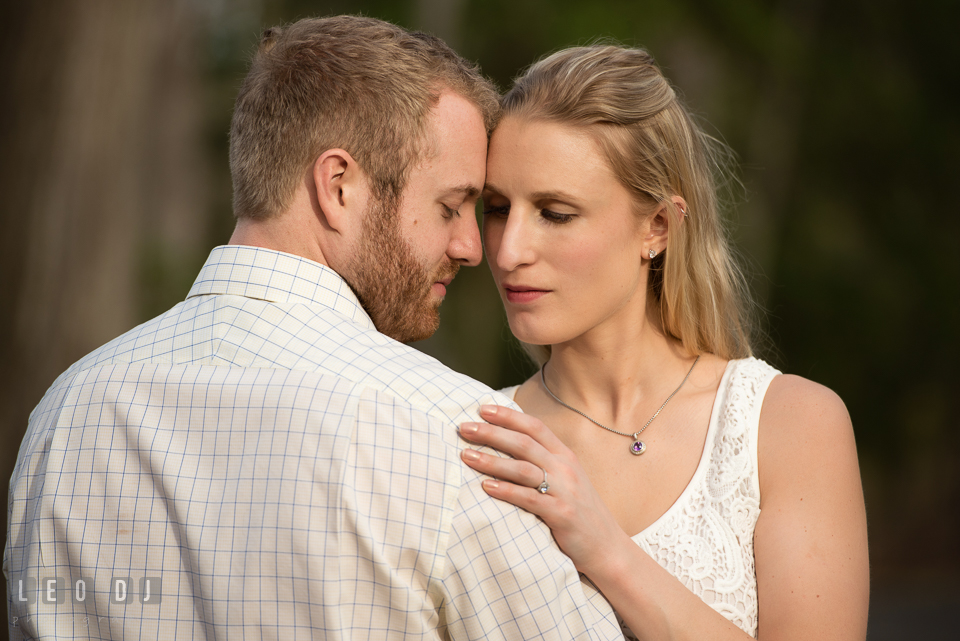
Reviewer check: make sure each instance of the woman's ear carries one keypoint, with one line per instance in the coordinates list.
(667, 214)
(340, 192)
(679, 208)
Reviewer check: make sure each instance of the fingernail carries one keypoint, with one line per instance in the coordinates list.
(468, 428)
(471, 455)
(488, 409)
(491, 484)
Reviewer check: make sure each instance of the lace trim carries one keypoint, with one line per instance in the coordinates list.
(705, 539)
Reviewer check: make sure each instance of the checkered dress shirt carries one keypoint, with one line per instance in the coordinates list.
(258, 462)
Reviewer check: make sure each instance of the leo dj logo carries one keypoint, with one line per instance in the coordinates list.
(56, 589)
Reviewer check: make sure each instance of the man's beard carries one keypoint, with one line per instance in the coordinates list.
(390, 284)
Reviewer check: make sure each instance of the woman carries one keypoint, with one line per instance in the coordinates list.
(671, 452)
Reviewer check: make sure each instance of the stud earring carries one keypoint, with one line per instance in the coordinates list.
(652, 253)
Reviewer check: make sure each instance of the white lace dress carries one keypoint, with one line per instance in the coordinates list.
(705, 538)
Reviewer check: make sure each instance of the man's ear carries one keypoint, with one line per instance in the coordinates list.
(340, 191)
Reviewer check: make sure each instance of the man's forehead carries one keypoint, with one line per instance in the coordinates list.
(453, 116)
(453, 147)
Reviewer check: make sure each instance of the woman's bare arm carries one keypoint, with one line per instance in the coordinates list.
(810, 543)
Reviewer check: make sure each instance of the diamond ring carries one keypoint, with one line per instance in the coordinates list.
(543, 487)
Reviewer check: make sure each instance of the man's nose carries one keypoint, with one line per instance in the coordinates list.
(465, 247)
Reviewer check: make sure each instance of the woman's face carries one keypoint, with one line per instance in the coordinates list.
(561, 234)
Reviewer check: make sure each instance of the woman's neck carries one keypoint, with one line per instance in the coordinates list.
(611, 372)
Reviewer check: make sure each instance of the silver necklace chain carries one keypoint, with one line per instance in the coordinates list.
(638, 447)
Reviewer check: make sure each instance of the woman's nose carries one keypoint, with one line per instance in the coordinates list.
(516, 245)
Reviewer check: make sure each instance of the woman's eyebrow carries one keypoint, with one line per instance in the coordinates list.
(540, 195)
(556, 195)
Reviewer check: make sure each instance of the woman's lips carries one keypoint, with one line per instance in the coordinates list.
(523, 294)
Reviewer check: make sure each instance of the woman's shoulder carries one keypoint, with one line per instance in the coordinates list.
(787, 398)
(793, 400)
(510, 392)
(803, 426)
(523, 394)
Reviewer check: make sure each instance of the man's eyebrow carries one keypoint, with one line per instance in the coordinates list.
(468, 190)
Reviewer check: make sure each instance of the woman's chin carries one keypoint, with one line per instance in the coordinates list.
(532, 335)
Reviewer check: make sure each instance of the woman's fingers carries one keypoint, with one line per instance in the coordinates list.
(515, 481)
(520, 435)
(516, 444)
(513, 471)
(521, 423)
(523, 497)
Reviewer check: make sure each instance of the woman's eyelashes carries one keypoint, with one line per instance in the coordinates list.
(550, 216)
(555, 217)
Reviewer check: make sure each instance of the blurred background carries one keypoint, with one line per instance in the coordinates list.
(114, 119)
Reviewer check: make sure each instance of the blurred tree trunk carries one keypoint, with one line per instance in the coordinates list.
(102, 178)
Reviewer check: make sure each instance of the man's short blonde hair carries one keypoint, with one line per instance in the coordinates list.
(348, 82)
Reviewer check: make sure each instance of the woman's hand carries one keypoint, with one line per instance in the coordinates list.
(582, 525)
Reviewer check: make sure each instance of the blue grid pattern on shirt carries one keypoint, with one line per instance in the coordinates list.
(221, 367)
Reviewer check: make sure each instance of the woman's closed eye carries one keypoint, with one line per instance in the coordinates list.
(548, 215)
(556, 217)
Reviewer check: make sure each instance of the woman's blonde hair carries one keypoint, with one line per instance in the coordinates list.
(620, 97)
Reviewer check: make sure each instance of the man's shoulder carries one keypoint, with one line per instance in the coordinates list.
(420, 380)
(233, 331)
(136, 344)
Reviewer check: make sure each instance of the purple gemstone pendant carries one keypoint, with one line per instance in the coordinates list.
(638, 447)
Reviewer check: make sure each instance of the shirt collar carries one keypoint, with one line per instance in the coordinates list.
(277, 277)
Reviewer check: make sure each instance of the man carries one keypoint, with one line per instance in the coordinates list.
(267, 458)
